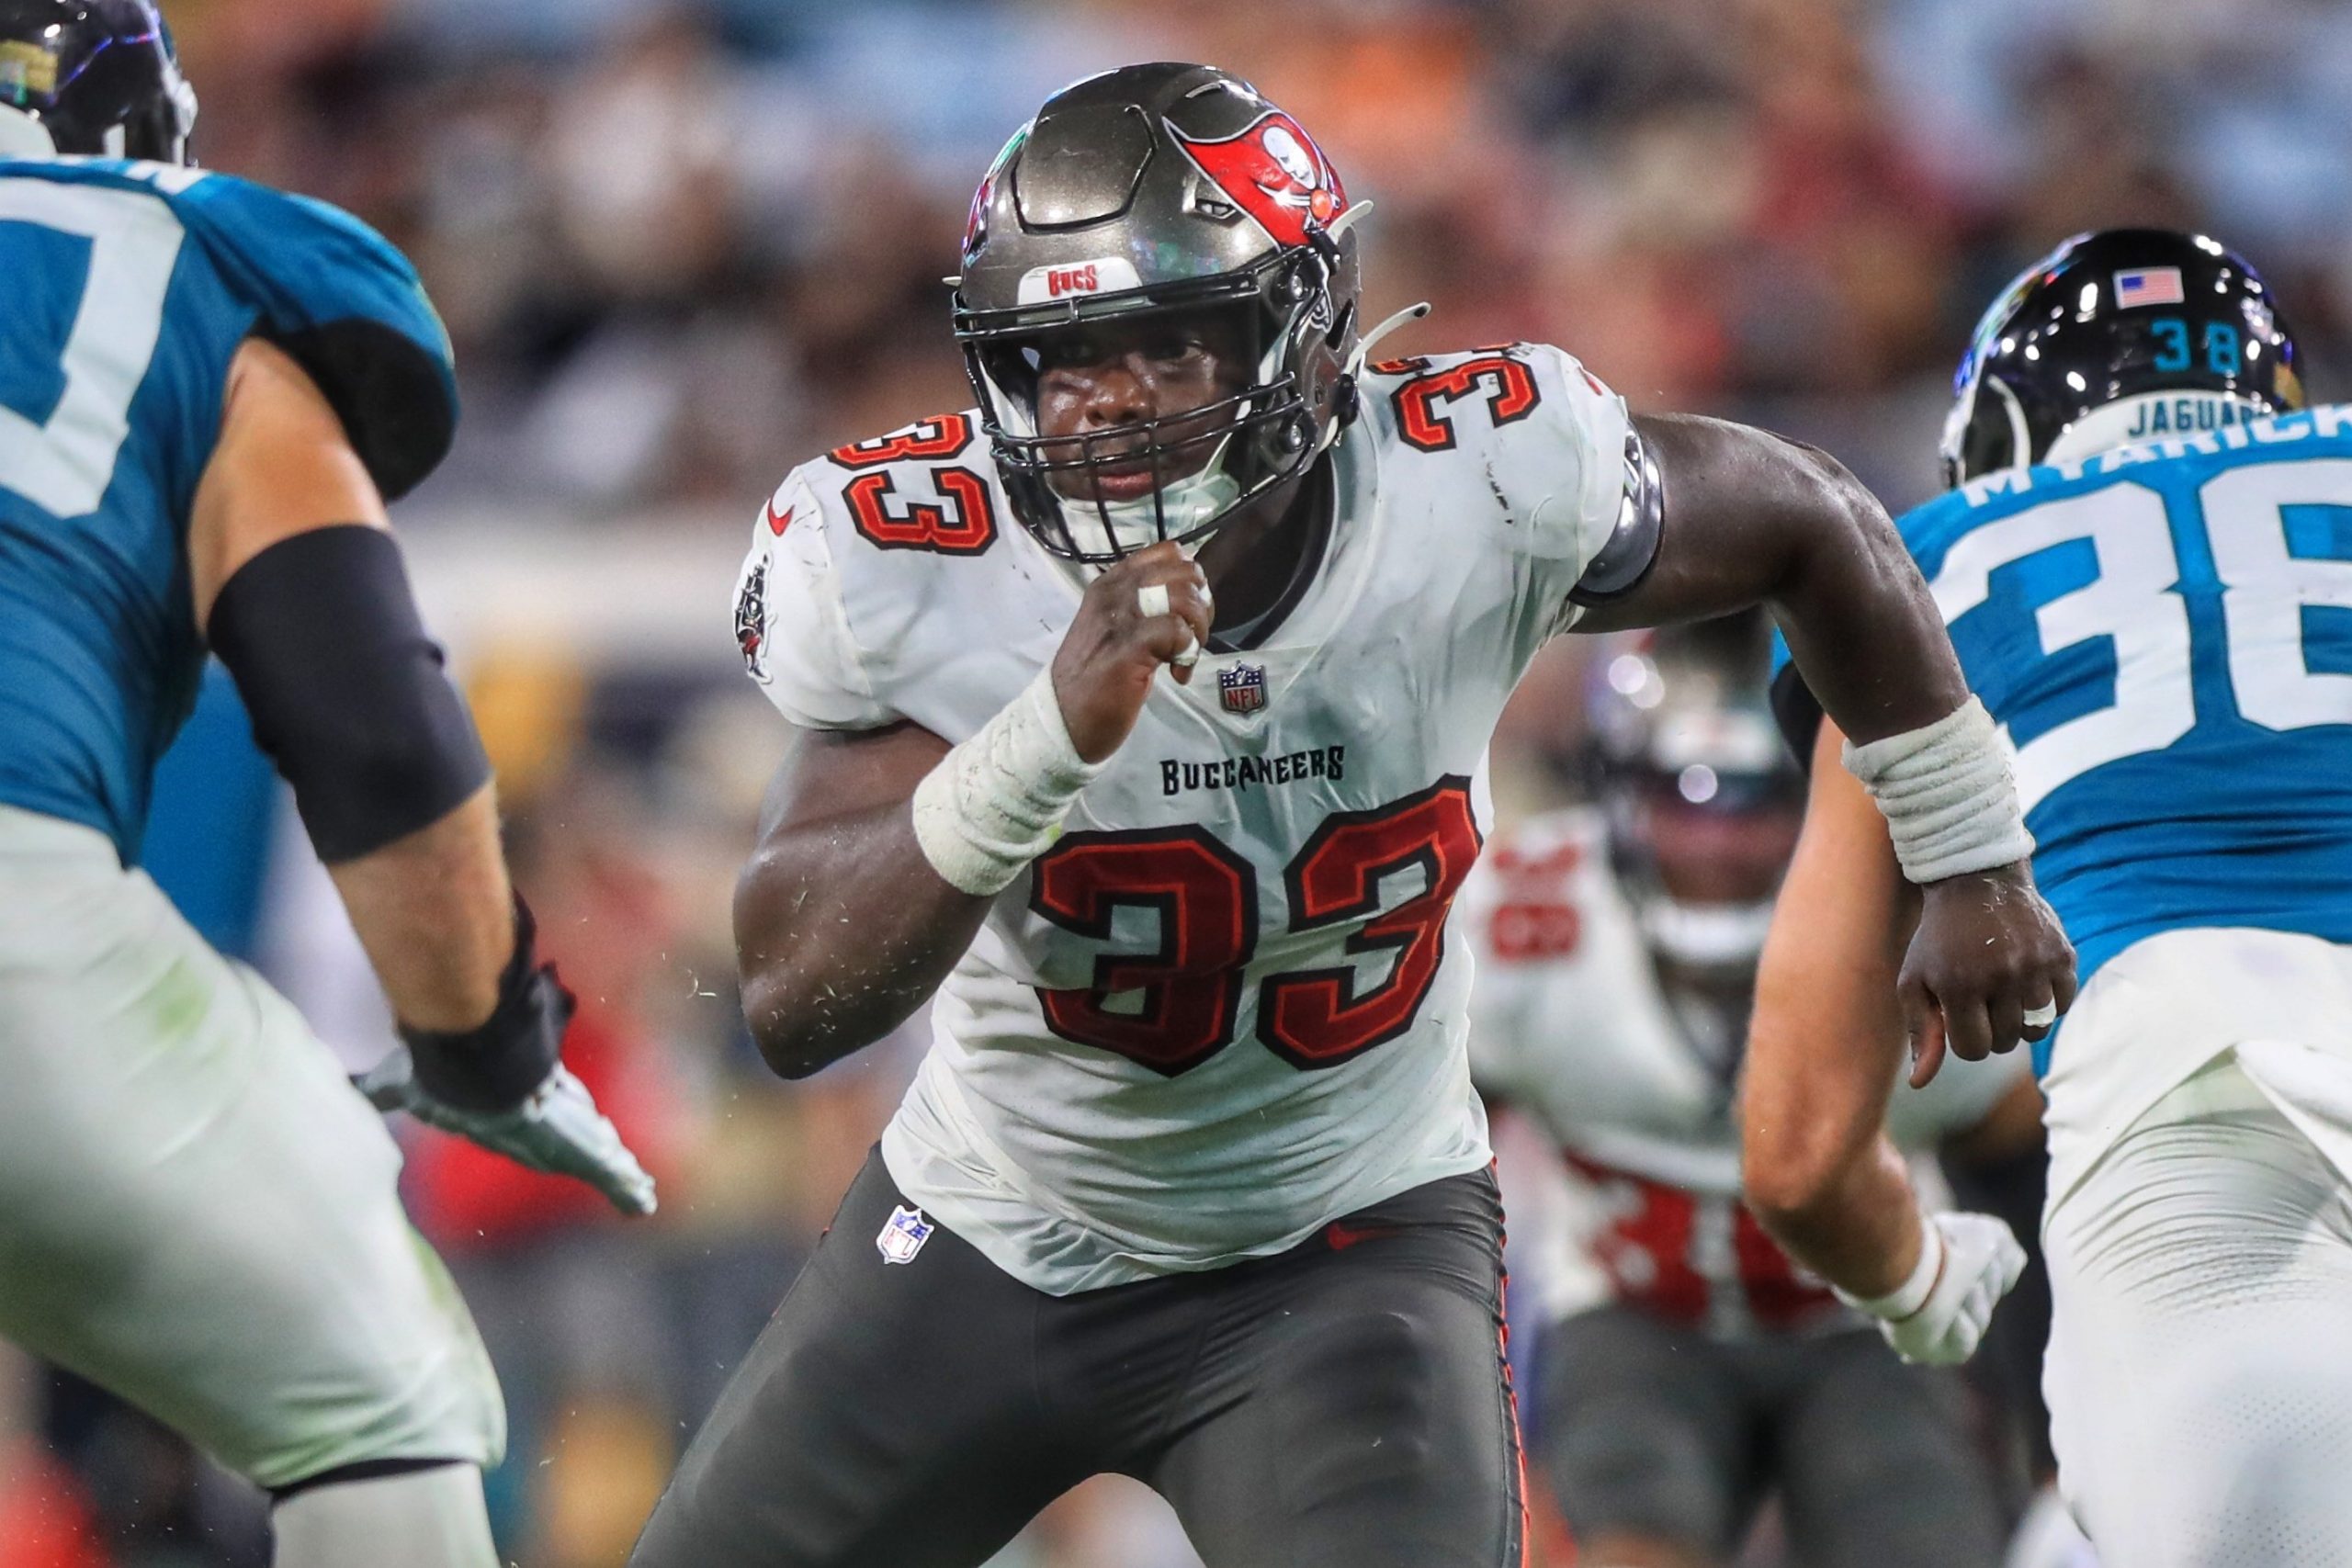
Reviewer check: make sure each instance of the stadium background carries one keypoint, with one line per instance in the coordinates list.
(683, 247)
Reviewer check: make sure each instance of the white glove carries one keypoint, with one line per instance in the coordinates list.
(1967, 1263)
(558, 1129)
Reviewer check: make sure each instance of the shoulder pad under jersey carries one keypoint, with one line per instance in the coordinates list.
(1554, 448)
(336, 295)
(817, 626)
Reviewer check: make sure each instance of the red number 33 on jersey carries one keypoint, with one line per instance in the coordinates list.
(952, 514)
(1180, 1005)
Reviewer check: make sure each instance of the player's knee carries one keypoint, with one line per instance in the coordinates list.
(363, 1470)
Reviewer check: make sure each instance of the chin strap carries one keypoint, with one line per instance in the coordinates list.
(1347, 221)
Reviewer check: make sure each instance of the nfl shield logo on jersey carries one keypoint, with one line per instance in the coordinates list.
(1242, 688)
(903, 1236)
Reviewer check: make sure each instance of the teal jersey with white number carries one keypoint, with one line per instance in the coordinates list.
(130, 289)
(2164, 633)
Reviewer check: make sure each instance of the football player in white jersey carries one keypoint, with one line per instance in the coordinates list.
(1688, 1369)
(1145, 710)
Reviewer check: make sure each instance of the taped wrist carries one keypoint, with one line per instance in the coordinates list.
(347, 694)
(1946, 790)
(997, 801)
(1912, 1295)
(498, 1065)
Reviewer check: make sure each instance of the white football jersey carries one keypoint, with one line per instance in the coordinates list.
(1227, 1006)
(1571, 1023)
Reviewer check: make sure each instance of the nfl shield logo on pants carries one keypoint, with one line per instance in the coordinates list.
(1242, 688)
(903, 1236)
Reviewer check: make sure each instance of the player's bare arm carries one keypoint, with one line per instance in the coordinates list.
(828, 962)
(295, 579)
(844, 922)
(1826, 1048)
(1749, 517)
(1824, 1052)
(431, 906)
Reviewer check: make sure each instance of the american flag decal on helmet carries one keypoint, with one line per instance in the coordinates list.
(1242, 688)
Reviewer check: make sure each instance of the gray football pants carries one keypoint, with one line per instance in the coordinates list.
(1342, 1405)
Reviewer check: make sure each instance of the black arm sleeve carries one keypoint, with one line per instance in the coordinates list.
(503, 1061)
(347, 694)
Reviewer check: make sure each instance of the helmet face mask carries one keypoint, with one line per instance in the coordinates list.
(2105, 325)
(1124, 218)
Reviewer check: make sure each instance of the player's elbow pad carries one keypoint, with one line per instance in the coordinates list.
(347, 694)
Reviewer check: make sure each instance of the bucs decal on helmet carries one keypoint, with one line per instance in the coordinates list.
(975, 225)
(1273, 171)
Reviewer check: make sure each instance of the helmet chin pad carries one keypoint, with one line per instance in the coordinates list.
(1180, 510)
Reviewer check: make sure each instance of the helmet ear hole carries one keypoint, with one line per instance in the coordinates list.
(1343, 328)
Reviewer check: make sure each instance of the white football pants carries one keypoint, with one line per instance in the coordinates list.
(2199, 1374)
(196, 1210)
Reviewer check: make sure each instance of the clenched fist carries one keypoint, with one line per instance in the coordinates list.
(1987, 967)
(1151, 609)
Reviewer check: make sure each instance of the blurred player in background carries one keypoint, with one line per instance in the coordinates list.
(1617, 951)
(2147, 568)
(1194, 1185)
(206, 391)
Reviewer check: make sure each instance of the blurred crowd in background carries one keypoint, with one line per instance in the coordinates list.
(683, 247)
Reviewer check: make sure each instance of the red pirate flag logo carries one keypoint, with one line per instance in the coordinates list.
(1273, 171)
(751, 620)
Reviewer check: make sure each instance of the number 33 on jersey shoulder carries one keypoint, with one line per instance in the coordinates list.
(1233, 977)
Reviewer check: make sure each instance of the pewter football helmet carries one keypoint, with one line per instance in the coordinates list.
(1145, 192)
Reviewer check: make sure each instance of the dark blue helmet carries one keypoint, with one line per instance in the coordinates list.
(95, 77)
(2112, 321)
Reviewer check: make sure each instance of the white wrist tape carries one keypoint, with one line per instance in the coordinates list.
(1950, 802)
(996, 802)
(1912, 1295)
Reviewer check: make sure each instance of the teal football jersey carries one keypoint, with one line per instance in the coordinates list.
(130, 287)
(2163, 633)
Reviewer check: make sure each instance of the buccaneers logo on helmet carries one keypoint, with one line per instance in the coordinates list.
(1273, 171)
